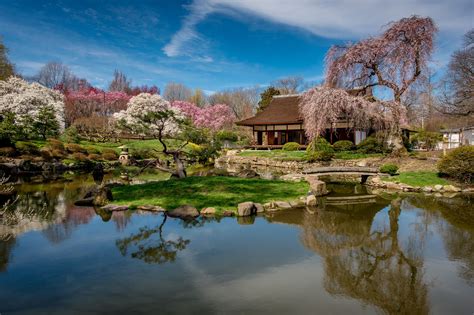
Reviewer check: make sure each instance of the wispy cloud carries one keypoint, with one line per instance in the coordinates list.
(187, 35)
(337, 19)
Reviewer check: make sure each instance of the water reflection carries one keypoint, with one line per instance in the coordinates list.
(150, 246)
(371, 251)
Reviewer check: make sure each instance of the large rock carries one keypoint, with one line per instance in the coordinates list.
(282, 205)
(311, 201)
(259, 207)
(451, 188)
(111, 208)
(318, 187)
(184, 212)
(208, 211)
(248, 174)
(438, 187)
(151, 208)
(246, 208)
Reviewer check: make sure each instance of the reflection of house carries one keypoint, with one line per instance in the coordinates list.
(280, 122)
(456, 137)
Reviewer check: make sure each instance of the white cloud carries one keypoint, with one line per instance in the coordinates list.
(339, 19)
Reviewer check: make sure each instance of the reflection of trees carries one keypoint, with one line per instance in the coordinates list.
(145, 246)
(456, 228)
(6, 246)
(369, 266)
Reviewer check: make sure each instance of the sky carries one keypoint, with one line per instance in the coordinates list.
(208, 44)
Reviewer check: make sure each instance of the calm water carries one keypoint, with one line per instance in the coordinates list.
(406, 255)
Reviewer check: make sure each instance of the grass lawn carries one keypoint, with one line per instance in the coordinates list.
(220, 192)
(419, 179)
(301, 155)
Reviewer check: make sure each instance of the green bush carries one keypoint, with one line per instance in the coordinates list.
(28, 148)
(55, 144)
(46, 154)
(92, 150)
(71, 135)
(142, 153)
(391, 169)
(74, 148)
(426, 140)
(319, 150)
(227, 135)
(371, 144)
(58, 154)
(81, 157)
(109, 154)
(343, 145)
(291, 146)
(459, 164)
(94, 157)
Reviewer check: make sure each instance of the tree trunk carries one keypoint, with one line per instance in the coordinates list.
(180, 169)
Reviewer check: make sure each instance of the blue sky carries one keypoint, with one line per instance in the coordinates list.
(210, 44)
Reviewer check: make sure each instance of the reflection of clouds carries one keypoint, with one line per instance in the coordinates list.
(288, 288)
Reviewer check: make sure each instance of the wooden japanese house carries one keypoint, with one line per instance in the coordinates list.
(280, 122)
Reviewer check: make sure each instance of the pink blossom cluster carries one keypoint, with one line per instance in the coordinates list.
(214, 117)
(91, 101)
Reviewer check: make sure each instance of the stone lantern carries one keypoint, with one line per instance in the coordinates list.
(124, 157)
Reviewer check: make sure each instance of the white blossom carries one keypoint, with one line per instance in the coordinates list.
(25, 100)
(148, 114)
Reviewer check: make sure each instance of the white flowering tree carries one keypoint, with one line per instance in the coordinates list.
(33, 109)
(152, 116)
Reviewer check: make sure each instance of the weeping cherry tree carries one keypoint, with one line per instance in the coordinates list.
(394, 60)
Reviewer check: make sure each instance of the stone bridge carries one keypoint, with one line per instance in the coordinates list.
(363, 172)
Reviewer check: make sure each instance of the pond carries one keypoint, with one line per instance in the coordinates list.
(406, 254)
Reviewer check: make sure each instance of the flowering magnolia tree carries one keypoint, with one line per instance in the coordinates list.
(214, 117)
(393, 60)
(32, 107)
(91, 101)
(151, 115)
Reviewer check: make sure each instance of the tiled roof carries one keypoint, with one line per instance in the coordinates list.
(283, 109)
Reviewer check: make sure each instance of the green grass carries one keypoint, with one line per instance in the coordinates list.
(301, 155)
(418, 179)
(220, 192)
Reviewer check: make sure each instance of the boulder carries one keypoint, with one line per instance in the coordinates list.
(246, 208)
(267, 176)
(438, 187)
(208, 211)
(297, 203)
(451, 188)
(248, 174)
(311, 201)
(151, 208)
(427, 189)
(318, 187)
(259, 207)
(111, 208)
(228, 213)
(282, 205)
(184, 212)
